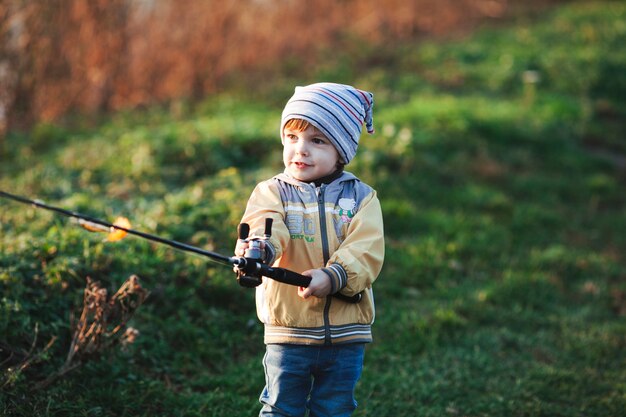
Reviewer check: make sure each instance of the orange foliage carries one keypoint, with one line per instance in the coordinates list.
(91, 56)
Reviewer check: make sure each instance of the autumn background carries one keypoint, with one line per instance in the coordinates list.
(499, 158)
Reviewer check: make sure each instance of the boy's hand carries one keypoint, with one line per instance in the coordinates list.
(240, 250)
(319, 287)
(242, 245)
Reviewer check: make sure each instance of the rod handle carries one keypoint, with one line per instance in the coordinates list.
(268, 227)
(293, 278)
(243, 230)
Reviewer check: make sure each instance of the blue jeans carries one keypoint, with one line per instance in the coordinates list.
(320, 379)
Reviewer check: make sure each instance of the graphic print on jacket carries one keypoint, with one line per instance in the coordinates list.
(301, 213)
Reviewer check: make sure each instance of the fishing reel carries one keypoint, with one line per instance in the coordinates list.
(250, 270)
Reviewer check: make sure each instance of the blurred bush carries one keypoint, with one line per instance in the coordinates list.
(88, 57)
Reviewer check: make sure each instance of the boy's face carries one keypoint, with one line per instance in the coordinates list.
(308, 154)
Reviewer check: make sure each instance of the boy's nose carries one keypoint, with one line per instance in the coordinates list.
(301, 147)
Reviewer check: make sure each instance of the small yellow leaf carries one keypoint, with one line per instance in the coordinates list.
(117, 234)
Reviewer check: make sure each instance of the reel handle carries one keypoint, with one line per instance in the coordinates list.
(268, 227)
(246, 276)
(243, 230)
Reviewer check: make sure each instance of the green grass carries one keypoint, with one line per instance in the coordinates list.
(503, 290)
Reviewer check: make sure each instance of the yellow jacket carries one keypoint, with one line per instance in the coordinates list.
(337, 227)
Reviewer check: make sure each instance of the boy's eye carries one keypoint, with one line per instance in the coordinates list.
(319, 141)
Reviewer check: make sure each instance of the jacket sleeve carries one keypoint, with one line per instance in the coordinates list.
(362, 253)
(265, 202)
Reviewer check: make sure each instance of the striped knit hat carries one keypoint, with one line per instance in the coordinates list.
(337, 110)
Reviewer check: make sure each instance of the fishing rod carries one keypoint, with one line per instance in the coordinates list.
(250, 268)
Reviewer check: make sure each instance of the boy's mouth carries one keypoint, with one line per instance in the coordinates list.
(300, 164)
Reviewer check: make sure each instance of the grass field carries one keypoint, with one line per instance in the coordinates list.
(500, 161)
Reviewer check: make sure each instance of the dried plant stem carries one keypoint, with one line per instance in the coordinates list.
(101, 323)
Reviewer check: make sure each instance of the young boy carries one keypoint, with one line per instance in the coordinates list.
(327, 225)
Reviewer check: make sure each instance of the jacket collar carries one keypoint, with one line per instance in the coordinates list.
(345, 176)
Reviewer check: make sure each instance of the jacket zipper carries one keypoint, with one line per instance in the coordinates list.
(324, 234)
